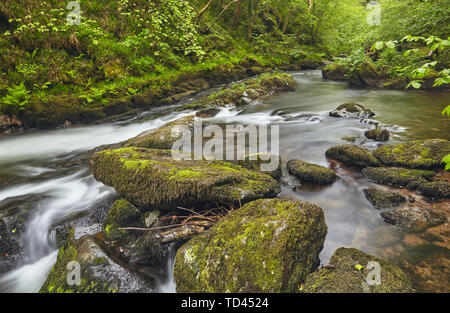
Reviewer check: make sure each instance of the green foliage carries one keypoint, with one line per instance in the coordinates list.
(17, 96)
(354, 62)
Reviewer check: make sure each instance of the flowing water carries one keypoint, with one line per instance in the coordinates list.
(41, 168)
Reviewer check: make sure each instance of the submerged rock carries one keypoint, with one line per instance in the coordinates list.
(382, 199)
(122, 214)
(348, 272)
(398, 177)
(378, 134)
(435, 189)
(423, 154)
(266, 246)
(311, 173)
(352, 110)
(99, 272)
(352, 155)
(152, 179)
(413, 219)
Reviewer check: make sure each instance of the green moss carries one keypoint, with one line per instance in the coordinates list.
(352, 155)
(165, 183)
(422, 154)
(266, 246)
(345, 275)
(121, 214)
(311, 173)
(398, 177)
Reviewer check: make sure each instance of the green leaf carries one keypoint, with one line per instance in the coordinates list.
(378, 45)
(447, 111)
(390, 45)
(359, 267)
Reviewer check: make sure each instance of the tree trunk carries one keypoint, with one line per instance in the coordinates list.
(237, 16)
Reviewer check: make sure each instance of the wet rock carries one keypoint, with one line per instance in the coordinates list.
(348, 271)
(153, 179)
(122, 214)
(382, 199)
(311, 173)
(423, 154)
(334, 71)
(206, 113)
(398, 177)
(378, 134)
(352, 110)
(100, 272)
(352, 155)
(163, 137)
(435, 189)
(9, 124)
(8, 246)
(266, 246)
(411, 219)
(264, 163)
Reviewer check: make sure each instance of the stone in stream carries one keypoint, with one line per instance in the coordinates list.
(311, 173)
(122, 214)
(352, 110)
(100, 273)
(382, 199)
(163, 137)
(268, 245)
(153, 179)
(413, 220)
(352, 155)
(420, 154)
(348, 272)
(378, 134)
(435, 190)
(398, 177)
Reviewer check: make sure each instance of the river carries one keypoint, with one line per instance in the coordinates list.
(43, 168)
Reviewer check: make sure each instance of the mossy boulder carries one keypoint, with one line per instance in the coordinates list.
(435, 190)
(347, 272)
(153, 179)
(378, 134)
(269, 245)
(352, 155)
(334, 71)
(422, 154)
(259, 162)
(122, 214)
(311, 173)
(352, 110)
(163, 137)
(99, 273)
(413, 220)
(383, 199)
(398, 177)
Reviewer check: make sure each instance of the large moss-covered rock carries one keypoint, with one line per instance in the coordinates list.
(383, 199)
(98, 272)
(398, 177)
(311, 173)
(352, 155)
(424, 154)
(411, 219)
(348, 272)
(352, 110)
(435, 190)
(122, 214)
(163, 137)
(152, 179)
(266, 246)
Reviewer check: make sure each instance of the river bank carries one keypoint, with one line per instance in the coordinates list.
(303, 115)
